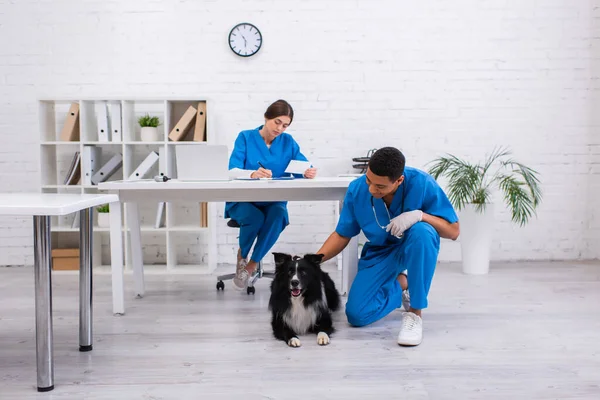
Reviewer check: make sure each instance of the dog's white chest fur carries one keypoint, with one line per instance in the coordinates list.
(300, 318)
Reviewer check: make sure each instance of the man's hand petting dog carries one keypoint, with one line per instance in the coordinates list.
(303, 297)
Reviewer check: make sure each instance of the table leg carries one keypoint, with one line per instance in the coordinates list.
(133, 219)
(349, 264)
(349, 261)
(116, 258)
(85, 278)
(43, 303)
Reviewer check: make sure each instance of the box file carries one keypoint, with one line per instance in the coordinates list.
(143, 169)
(70, 131)
(183, 125)
(108, 169)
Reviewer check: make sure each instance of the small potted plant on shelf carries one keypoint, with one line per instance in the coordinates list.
(149, 132)
(103, 216)
(470, 191)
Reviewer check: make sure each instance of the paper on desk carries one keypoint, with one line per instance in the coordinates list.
(297, 167)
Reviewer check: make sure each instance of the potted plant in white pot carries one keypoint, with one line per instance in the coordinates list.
(470, 190)
(103, 216)
(149, 125)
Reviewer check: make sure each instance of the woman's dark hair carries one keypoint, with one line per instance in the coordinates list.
(387, 161)
(279, 108)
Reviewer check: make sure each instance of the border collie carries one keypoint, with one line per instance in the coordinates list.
(302, 299)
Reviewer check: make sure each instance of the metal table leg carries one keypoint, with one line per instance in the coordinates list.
(43, 303)
(85, 278)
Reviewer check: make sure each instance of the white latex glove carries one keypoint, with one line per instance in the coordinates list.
(402, 222)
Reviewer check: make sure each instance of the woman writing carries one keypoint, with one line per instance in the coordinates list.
(264, 152)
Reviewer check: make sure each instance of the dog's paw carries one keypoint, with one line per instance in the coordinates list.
(323, 338)
(294, 342)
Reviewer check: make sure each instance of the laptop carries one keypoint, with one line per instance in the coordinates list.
(202, 162)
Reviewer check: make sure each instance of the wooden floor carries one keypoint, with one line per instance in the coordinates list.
(525, 331)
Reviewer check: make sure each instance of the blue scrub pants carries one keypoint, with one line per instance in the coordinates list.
(262, 222)
(376, 291)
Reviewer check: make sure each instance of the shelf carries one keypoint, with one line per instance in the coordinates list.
(187, 142)
(59, 143)
(183, 244)
(61, 186)
(190, 228)
(103, 143)
(140, 143)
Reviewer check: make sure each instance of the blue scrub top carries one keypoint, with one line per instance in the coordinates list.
(250, 149)
(419, 191)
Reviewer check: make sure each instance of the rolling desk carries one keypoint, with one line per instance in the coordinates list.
(131, 192)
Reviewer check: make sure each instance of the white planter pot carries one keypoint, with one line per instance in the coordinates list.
(476, 239)
(103, 220)
(149, 134)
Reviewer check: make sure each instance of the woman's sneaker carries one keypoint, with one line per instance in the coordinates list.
(240, 281)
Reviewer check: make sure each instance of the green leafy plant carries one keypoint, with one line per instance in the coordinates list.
(472, 183)
(103, 208)
(147, 120)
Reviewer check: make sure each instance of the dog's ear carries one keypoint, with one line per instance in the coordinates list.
(281, 259)
(314, 258)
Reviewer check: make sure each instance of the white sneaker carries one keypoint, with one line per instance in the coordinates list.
(406, 300)
(240, 280)
(411, 332)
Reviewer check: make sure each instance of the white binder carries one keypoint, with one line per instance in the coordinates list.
(90, 163)
(116, 126)
(102, 118)
(108, 169)
(162, 162)
(160, 215)
(144, 167)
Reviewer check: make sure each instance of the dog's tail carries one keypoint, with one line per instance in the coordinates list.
(331, 293)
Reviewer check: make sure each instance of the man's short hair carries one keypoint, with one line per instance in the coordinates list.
(387, 161)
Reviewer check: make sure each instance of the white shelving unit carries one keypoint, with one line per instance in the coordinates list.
(183, 243)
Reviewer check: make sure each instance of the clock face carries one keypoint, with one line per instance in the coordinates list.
(245, 39)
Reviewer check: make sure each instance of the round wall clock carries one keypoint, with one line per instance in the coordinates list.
(245, 39)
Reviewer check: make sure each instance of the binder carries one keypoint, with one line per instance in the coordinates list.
(108, 169)
(183, 125)
(162, 162)
(102, 118)
(200, 129)
(90, 164)
(74, 172)
(70, 130)
(160, 215)
(203, 215)
(116, 125)
(144, 167)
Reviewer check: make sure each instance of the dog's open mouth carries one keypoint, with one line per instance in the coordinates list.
(296, 292)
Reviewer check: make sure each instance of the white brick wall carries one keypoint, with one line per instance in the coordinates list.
(429, 77)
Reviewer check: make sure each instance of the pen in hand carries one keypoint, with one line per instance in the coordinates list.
(265, 170)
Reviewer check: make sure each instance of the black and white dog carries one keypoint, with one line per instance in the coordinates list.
(302, 299)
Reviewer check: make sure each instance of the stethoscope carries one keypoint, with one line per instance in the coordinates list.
(387, 210)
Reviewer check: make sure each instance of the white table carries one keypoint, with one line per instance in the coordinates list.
(42, 206)
(131, 192)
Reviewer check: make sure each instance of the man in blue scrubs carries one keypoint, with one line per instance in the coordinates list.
(264, 152)
(403, 212)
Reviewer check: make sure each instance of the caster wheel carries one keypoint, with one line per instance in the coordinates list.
(220, 285)
(250, 289)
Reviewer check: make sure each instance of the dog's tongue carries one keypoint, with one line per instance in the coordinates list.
(295, 292)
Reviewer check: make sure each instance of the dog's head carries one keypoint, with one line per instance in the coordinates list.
(301, 273)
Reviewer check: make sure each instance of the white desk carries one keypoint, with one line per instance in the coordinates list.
(42, 206)
(131, 192)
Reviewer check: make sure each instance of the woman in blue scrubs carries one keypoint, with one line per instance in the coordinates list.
(264, 152)
(403, 212)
